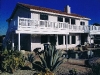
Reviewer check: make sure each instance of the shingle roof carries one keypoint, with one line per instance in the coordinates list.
(49, 10)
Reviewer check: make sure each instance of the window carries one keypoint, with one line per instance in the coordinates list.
(44, 38)
(67, 19)
(72, 21)
(68, 39)
(43, 16)
(60, 19)
(82, 23)
(60, 39)
(73, 39)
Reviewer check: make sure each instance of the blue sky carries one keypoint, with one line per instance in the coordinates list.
(88, 8)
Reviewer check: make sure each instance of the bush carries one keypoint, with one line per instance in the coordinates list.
(95, 69)
(29, 59)
(11, 60)
(50, 60)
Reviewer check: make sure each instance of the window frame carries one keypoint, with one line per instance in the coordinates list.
(59, 19)
(73, 41)
(73, 22)
(44, 16)
(60, 39)
(67, 19)
(82, 23)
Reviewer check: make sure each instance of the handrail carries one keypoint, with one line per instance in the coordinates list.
(27, 22)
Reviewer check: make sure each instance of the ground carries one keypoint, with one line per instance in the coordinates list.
(63, 69)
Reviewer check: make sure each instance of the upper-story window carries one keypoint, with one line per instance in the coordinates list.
(60, 19)
(82, 23)
(67, 20)
(72, 21)
(43, 16)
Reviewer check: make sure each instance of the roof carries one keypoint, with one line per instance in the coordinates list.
(28, 6)
(49, 10)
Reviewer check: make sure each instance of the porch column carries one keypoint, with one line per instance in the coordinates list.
(57, 40)
(90, 39)
(63, 40)
(70, 21)
(70, 41)
(12, 41)
(48, 39)
(67, 41)
(19, 41)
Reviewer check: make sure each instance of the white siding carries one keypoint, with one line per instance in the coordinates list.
(36, 42)
(52, 18)
(35, 16)
(86, 22)
(21, 12)
(77, 22)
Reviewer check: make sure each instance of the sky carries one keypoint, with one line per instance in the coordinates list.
(87, 8)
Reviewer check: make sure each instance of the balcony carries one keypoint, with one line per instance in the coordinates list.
(26, 25)
(95, 30)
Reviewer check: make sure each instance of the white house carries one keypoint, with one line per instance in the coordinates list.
(30, 27)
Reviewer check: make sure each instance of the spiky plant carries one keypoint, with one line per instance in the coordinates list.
(30, 58)
(50, 59)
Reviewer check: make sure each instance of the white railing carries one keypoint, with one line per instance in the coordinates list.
(95, 28)
(44, 24)
(24, 22)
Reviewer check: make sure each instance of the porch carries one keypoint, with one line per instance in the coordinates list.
(27, 25)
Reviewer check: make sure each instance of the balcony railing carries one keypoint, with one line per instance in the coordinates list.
(30, 24)
(25, 22)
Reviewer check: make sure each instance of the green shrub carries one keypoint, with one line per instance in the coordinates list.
(11, 60)
(50, 60)
(95, 69)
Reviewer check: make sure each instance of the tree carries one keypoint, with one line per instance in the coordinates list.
(96, 24)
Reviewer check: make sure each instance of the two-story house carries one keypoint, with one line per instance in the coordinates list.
(31, 26)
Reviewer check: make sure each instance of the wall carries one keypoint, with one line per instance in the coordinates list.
(21, 12)
(79, 20)
(36, 42)
(53, 18)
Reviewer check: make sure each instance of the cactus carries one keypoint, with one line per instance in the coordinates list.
(11, 60)
(51, 59)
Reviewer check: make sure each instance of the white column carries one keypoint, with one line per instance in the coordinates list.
(48, 39)
(70, 41)
(90, 39)
(19, 41)
(57, 40)
(67, 41)
(63, 39)
(70, 21)
(31, 42)
(12, 41)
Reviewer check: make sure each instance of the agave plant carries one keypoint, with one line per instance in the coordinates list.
(50, 59)
(30, 58)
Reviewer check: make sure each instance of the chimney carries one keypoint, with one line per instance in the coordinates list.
(67, 9)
